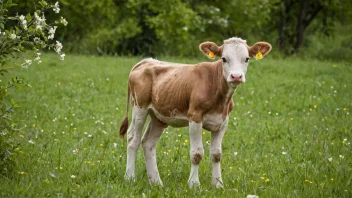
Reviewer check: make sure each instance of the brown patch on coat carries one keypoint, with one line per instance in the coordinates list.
(216, 157)
(197, 157)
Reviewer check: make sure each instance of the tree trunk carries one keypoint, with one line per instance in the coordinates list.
(301, 25)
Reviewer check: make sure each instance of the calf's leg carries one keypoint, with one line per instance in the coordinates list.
(215, 154)
(196, 153)
(134, 133)
(149, 141)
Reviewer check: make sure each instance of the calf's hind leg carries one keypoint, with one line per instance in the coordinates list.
(134, 133)
(149, 141)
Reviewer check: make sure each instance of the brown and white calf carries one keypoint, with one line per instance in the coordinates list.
(198, 96)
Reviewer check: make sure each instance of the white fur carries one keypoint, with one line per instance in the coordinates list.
(149, 141)
(235, 52)
(195, 135)
(134, 133)
(215, 149)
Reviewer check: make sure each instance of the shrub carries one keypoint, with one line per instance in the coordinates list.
(21, 36)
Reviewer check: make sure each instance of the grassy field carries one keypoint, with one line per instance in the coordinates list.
(289, 134)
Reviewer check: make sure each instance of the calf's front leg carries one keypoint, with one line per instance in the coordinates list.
(196, 153)
(215, 154)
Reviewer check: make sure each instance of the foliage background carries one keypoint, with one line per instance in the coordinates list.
(156, 28)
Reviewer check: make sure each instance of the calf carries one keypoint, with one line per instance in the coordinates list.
(198, 96)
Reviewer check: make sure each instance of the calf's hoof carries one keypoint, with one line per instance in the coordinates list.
(193, 184)
(130, 178)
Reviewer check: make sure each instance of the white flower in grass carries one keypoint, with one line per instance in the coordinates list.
(56, 7)
(114, 145)
(73, 176)
(252, 196)
(36, 39)
(284, 153)
(12, 36)
(62, 57)
(341, 156)
(31, 141)
(330, 159)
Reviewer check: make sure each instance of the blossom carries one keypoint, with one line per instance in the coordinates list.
(22, 18)
(58, 47)
(23, 21)
(52, 32)
(26, 63)
(12, 36)
(341, 156)
(36, 39)
(63, 21)
(56, 7)
(62, 56)
(330, 159)
(31, 141)
(284, 153)
(73, 176)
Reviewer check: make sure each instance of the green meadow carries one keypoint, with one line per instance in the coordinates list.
(289, 134)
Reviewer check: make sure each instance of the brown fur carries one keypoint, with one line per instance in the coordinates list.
(123, 127)
(207, 47)
(197, 158)
(216, 157)
(191, 90)
(263, 47)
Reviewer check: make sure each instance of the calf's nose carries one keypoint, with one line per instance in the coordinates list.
(237, 77)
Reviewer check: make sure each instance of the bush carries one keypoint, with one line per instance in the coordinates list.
(21, 36)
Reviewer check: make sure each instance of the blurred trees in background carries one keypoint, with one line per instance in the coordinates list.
(315, 28)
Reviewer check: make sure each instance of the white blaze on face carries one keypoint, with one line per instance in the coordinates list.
(235, 61)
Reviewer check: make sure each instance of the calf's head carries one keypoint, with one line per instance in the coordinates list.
(235, 55)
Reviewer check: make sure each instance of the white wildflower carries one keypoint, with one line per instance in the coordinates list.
(341, 156)
(235, 154)
(31, 141)
(114, 145)
(330, 159)
(73, 176)
(252, 196)
(12, 36)
(62, 57)
(284, 153)
(56, 7)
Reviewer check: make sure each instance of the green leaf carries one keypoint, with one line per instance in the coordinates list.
(12, 18)
(2, 26)
(28, 17)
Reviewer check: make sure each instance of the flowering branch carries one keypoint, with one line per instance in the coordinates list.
(31, 33)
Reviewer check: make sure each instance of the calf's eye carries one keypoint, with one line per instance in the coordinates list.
(223, 59)
(246, 60)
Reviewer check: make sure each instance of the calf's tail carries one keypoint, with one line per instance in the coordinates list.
(124, 122)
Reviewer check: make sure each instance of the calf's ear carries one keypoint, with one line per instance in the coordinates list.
(210, 49)
(259, 50)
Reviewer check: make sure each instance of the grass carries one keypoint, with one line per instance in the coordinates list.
(289, 134)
